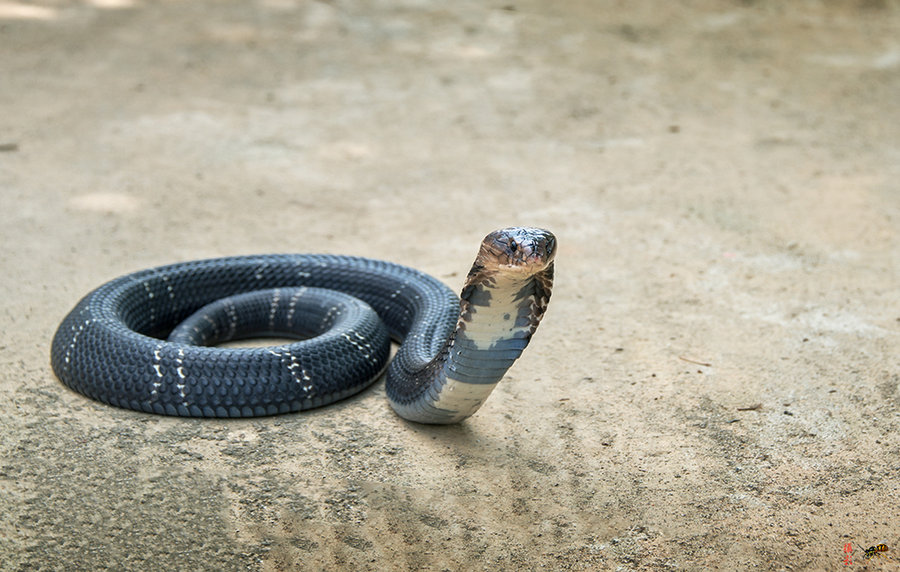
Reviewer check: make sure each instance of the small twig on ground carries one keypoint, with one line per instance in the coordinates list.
(703, 363)
(754, 407)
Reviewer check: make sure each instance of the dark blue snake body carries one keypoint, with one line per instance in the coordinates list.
(109, 346)
(112, 346)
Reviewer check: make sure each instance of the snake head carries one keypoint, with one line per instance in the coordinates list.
(519, 249)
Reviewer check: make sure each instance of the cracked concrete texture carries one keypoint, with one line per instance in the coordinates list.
(715, 384)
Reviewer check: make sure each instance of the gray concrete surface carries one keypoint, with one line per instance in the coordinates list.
(715, 385)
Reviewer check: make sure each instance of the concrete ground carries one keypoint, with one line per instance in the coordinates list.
(715, 385)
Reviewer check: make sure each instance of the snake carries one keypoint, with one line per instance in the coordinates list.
(155, 340)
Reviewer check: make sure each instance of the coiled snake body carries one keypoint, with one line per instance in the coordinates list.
(453, 350)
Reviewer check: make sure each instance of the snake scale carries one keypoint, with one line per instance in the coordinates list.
(147, 340)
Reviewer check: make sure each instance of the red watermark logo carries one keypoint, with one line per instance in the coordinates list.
(848, 554)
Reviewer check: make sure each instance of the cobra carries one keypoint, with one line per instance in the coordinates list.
(343, 310)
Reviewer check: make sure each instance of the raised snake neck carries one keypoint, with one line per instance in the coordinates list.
(452, 352)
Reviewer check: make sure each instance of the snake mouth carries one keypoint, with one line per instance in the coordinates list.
(521, 250)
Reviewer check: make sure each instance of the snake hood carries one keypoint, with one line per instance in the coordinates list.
(517, 260)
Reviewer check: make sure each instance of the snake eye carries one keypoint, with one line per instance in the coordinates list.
(513, 245)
